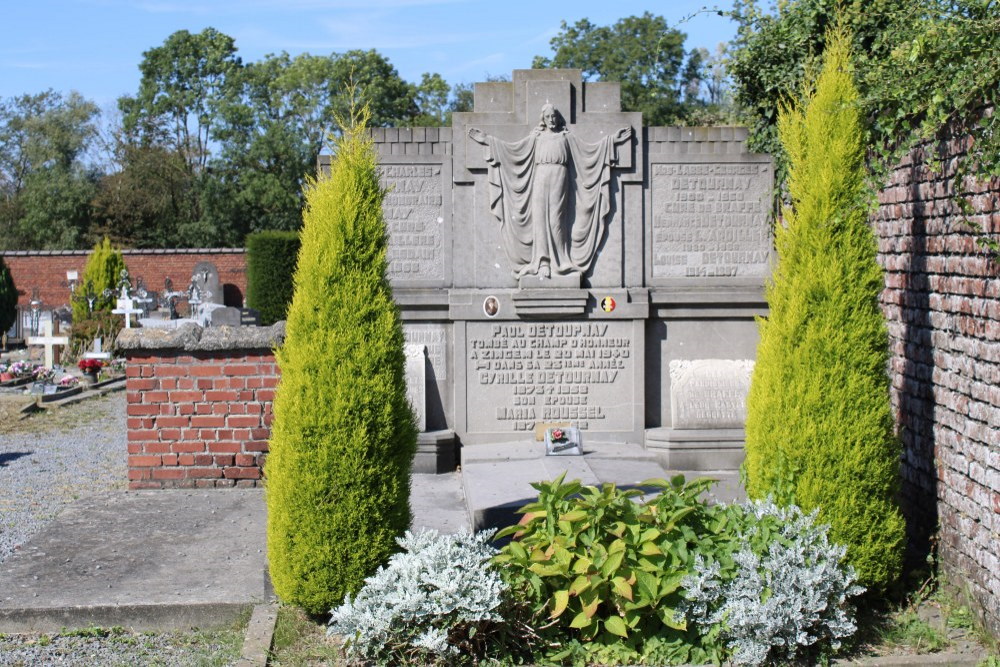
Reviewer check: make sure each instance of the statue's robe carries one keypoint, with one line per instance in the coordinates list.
(551, 193)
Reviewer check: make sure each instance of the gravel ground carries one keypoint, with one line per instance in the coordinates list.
(95, 648)
(50, 459)
(46, 462)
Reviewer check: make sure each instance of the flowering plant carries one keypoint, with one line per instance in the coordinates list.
(117, 365)
(69, 381)
(557, 435)
(90, 365)
(43, 374)
(20, 369)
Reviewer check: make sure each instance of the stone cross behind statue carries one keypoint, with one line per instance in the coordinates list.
(49, 341)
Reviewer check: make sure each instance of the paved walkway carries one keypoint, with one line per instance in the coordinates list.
(165, 559)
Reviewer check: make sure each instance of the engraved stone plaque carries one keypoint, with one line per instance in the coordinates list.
(414, 217)
(710, 220)
(519, 373)
(709, 393)
(416, 382)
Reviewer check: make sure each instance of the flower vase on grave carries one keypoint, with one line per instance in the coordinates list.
(90, 369)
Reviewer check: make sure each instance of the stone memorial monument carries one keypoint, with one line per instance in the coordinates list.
(556, 258)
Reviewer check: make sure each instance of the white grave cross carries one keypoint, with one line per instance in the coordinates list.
(126, 307)
(96, 352)
(49, 341)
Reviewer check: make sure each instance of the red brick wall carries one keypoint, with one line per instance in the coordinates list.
(198, 419)
(46, 270)
(942, 303)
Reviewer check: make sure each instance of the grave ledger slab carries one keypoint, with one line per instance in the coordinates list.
(558, 259)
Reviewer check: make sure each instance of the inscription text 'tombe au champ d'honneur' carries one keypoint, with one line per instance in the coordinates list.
(551, 372)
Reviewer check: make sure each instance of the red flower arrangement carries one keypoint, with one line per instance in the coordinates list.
(90, 365)
(557, 435)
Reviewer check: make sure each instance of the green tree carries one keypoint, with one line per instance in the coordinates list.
(45, 190)
(8, 299)
(642, 52)
(183, 83)
(819, 429)
(343, 439)
(432, 101)
(101, 273)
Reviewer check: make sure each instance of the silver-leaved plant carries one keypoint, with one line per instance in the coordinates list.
(429, 598)
(780, 600)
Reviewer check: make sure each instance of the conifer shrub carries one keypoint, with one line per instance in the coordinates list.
(271, 258)
(343, 437)
(819, 430)
(8, 299)
(102, 271)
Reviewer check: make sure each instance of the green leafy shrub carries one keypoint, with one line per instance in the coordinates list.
(602, 573)
(606, 579)
(101, 324)
(271, 259)
(438, 601)
(8, 299)
(343, 438)
(819, 431)
(102, 272)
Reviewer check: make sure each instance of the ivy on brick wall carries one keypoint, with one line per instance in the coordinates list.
(927, 70)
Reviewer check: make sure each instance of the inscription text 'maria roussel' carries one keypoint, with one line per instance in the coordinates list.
(413, 215)
(580, 372)
(710, 220)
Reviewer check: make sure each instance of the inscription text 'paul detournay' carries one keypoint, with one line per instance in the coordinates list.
(578, 372)
(413, 214)
(710, 220)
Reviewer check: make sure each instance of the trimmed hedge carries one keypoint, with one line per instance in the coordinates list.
(271, 260)
(8, 299)
(819, 425)
(343, 438)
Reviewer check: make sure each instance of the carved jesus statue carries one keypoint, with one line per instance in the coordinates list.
(551, 193)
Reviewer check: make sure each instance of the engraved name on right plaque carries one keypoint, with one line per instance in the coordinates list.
(710, 220)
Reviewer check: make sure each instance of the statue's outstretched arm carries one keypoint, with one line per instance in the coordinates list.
(478, 136)
(623, 135)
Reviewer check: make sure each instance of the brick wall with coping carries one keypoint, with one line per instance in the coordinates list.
(199, 404)
(942, 303)
(46, 270)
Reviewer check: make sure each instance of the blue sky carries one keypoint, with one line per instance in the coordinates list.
(95, 46)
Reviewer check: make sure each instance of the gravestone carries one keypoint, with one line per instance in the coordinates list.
(97, 351)
(225, 316)
(49, 342)
(708, 408)
(556, 257)
(435, 446)
(126, 306)
(206, 278)
(416, 380)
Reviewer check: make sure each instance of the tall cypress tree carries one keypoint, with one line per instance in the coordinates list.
(102, 272)
(8, 299)
(343, 437)
(819, 425)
